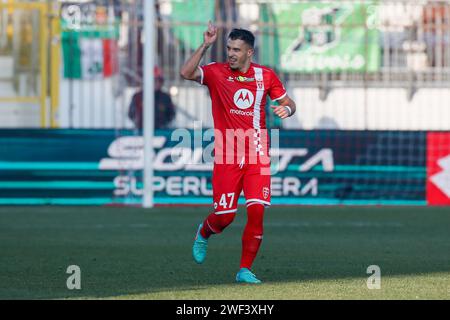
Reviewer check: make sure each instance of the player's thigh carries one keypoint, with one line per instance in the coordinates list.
(256, 185)
(227, 186)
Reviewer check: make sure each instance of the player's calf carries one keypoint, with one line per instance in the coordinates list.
(253, 234)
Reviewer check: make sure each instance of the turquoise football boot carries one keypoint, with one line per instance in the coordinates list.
(246, 276)
(200, 246)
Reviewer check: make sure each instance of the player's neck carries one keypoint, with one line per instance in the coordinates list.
(245, 68)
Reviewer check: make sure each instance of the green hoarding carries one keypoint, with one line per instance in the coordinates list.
(306, 37)
(331, 37)
(97, 167)
(190, 19)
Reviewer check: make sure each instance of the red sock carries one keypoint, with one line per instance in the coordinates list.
(252, 237)
(215, 223)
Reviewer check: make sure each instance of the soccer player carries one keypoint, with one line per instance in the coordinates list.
(238, 90)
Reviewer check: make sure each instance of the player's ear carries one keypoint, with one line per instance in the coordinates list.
(250, 52)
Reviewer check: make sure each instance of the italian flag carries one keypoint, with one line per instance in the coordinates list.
(88, 57)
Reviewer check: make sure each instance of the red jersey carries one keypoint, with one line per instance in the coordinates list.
(239, 100)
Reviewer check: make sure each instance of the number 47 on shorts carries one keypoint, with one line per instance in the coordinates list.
(226, 201)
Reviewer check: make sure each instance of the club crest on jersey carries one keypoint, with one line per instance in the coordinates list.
(260, 85)
(243, 99)
(266, 192)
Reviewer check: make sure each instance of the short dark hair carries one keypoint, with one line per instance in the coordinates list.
(243, 35)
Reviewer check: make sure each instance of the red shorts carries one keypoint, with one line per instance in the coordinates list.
(229, 180)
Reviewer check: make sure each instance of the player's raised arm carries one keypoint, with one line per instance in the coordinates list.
(189, 70)
(286, 107)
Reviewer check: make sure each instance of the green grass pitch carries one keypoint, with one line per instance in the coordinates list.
(307, 253)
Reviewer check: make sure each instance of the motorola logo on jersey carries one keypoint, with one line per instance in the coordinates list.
(243, 99)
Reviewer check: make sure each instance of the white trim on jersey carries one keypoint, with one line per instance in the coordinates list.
(212, 229)
(254, 202)
(259, 95)
(258, 200)
(282, 96)
(226, 211)
(202, 75)
(257, 109)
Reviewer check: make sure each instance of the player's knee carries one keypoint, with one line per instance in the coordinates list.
(227, 219)
(221, 221)
(255, 230)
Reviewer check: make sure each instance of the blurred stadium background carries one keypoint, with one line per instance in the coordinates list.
(371, 80)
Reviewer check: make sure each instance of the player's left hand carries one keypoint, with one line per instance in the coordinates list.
(281, 111)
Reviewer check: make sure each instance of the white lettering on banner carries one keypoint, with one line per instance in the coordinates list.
(127, 153)
(292, 186)
(198, 186)
(173, 186)
(324, 156)
(321, 63)
(191, 185)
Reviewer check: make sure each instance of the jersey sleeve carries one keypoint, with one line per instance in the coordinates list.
(207, 73)
(276, 89)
